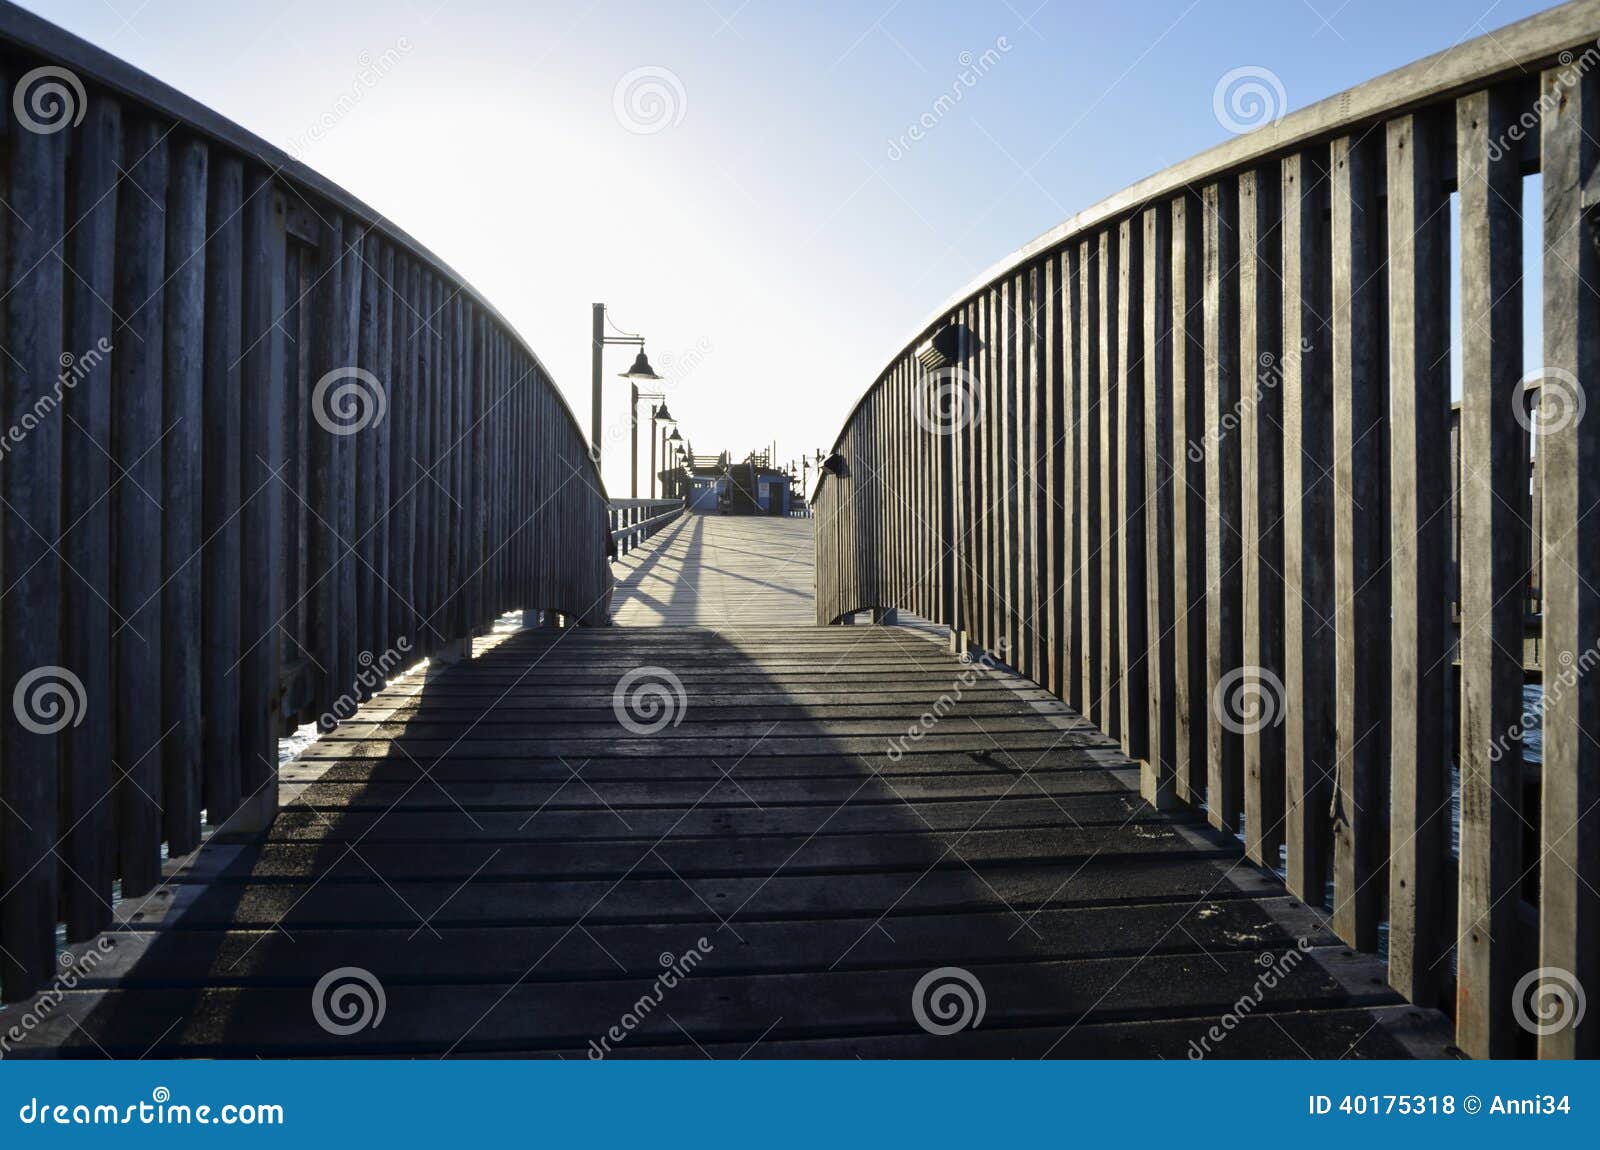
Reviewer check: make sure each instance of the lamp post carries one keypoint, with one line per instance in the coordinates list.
(666, 447)
(640, 370)
(658, 415)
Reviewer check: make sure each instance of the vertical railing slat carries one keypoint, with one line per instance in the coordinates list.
(183, 436)
(1493, 479)
(87, 811)
(1132, 504)
(1190, 700)
(38, 691)
(1307, 526)
(1419, 367)
(221, 570)
(1224, 579)
(1159, 778)
(137, 426)
(1569, 469)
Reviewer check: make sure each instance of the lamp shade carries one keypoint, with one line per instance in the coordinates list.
(641, 369)
(674, 437)
(661, 414)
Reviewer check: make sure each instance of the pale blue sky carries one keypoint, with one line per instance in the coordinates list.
(769, 241)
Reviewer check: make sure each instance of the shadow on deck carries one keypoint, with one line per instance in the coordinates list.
(519, 871)
(719, 571)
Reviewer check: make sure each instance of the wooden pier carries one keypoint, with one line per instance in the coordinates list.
(1210, 585)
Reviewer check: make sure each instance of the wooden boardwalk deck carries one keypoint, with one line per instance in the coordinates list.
(722, 571)
(513, 866)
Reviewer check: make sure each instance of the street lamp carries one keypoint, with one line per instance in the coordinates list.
(640, 370)
(658, 414)
(667, 442)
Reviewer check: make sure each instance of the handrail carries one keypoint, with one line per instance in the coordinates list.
(635, 520)
(294, 452)
(1160, 459)
(1517, 49)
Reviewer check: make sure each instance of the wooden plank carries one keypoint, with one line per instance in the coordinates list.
(1055, 508)
(1072, 481)
(137, 421)
(88, 811)
(1224, 579)
(341, 512)
(363, 444)
(41, 697)
(1361, 546)
(1132, 499)
(1109, 542)
(1308, 667)
(223, 466)
(1494, 470)
(1419, 374)
(1089, 400)
(1261, 450)
(1569, 451)
(1191, 700)
(318, 501)
(182, 451)
(1159, 778)
(668, 856)
(265, 373)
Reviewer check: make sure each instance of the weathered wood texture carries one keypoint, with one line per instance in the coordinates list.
(516, 868)
(1262, 515)
(216, 388)
(728, 572)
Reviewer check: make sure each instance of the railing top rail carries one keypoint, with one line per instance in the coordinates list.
(1514, 51)
(38, 36)
(626, 503)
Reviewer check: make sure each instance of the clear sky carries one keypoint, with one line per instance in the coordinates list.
(776, 234)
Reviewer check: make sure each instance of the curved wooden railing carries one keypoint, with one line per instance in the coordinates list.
(259, 441)
(1191, 452)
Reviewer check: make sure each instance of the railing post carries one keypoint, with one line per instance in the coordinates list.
(1159, 774)
(1493, 467)
(1419, 348)
(1569, 469)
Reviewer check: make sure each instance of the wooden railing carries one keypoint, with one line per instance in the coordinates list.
(1188, 457)
(257, 440)
(635, 520)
